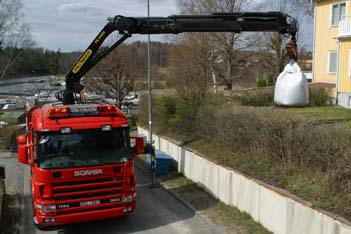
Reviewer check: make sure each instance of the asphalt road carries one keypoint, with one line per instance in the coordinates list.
(157, 210)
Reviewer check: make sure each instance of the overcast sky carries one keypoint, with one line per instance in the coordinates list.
(72, 24)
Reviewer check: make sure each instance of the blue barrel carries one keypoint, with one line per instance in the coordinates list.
(162, 162)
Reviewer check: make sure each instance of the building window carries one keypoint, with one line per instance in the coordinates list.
(338, 13)
(332, 60)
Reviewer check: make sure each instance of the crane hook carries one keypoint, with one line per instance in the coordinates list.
(291, 50)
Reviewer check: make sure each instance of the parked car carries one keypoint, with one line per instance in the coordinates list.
(131, 99)
(3, 102)
(9, 106)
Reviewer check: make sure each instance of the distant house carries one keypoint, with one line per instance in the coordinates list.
(332, 47)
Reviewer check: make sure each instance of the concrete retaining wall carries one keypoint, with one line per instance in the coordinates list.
(2, 195)
(276, 209)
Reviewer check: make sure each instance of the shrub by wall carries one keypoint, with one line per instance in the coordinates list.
(261, 83)
(280, 136)
(319, 96)
(171, 113)
(256, 99)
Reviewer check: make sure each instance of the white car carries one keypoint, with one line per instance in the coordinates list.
(131, 99)
(9, 106)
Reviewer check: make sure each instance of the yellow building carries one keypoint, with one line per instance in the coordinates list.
(332, 47)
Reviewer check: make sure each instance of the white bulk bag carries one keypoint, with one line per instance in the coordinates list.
(291, 87)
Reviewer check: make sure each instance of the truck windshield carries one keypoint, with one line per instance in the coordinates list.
(83, 148)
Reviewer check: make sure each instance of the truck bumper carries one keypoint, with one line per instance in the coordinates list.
(54, 220)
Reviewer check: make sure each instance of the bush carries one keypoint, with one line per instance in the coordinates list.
(170, 113)
(163, 109)
(281, 138)
(168, 84)
(319, 96)
(141, 85)
(269, 80)
(158, 84)
(256, 99)
(261, 83)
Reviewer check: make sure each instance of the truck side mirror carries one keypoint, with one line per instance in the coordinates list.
(22, 149)
(137, 145)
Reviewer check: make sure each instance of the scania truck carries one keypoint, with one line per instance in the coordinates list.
(81, 159)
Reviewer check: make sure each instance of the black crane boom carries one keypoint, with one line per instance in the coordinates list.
(217, 22)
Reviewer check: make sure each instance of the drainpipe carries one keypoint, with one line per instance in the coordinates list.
(337, 71)
(314, 40)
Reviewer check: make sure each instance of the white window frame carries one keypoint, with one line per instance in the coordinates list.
(336, 62)
(331, 13)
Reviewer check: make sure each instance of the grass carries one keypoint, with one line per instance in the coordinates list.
(324, 114)
(228, 217)
(242, 220)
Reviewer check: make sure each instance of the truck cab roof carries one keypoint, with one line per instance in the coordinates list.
(53, 117)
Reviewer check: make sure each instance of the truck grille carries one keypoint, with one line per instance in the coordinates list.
(96, 189)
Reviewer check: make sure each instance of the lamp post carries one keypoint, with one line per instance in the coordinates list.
(149, 78)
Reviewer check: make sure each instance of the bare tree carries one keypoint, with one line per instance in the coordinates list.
(306, 6)
(15, 43)
(189, 71)
(225, 46)
(10, 13)
(116, 74)
(14, 34)
(271, 45)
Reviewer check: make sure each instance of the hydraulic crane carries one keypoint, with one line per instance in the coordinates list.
(217, 22)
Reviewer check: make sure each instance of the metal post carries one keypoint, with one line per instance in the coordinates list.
(149, 78)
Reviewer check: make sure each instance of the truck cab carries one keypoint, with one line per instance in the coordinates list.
(82, 163)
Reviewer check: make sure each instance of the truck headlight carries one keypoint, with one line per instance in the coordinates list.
(65, 130)
(106, 128)
(127, 199)
(45, 209)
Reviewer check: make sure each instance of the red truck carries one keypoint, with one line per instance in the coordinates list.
(80, 156)
(82, 163)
